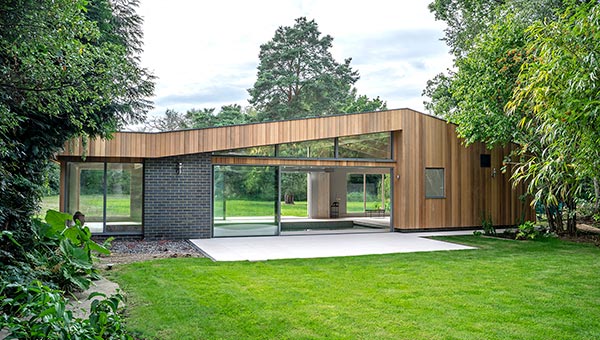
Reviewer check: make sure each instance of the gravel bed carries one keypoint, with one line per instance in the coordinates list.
(151, 247)
(134, 251)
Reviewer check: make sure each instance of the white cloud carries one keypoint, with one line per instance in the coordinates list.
(205, 53)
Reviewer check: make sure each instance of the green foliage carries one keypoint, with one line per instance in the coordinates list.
(527, 231)
(361, 103)
(294, 183)
(559, 85)
(196, 119)
(36, 311)
(67, 69)
(63, 255)
(487, 225)
(59, 257)
(298, 77)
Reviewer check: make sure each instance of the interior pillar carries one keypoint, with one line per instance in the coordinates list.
(318, 195)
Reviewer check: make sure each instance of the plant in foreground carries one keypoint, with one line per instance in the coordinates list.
(36, 311)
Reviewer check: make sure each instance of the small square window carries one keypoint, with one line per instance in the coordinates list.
(485, 160)
(434, 183)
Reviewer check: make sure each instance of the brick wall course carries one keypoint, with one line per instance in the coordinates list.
(178, 206)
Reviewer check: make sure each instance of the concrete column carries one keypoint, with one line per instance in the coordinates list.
(318, 195)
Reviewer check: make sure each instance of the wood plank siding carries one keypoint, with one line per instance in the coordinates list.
(419, 141)
(470, 190)
(174, 143)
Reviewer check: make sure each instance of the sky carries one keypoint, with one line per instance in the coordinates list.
(205, 53)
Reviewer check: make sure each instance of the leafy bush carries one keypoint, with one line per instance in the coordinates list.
(527, 231)
(40, 312)
(63, 255)
(487, 225)
(34, 279)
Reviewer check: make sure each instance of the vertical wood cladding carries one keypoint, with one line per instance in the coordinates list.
(470, 190)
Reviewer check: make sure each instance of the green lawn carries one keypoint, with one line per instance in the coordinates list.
(504, 290)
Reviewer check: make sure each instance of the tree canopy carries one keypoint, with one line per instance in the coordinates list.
(298, 76)
(67, 68)
(196, 119)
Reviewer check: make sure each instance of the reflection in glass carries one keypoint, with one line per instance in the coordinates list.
(86, 193)
(294, 194)
(355, 193)
(245, 200)
(434, 183)
(368, 193)
(258, 151)
(322, 148)
(373, 145)
(124, 197)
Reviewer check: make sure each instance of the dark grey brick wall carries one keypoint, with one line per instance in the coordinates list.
(178, 206)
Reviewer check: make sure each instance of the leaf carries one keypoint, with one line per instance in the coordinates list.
(98, 248)
(57, 220)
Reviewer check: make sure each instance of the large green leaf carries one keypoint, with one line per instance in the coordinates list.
(57, 220)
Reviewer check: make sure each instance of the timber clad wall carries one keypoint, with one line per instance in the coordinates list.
(470, 190)
(178, 206)
(164, 144)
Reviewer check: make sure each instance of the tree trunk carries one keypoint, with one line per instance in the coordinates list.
(597, 195)
(550, 217)
(571, 217)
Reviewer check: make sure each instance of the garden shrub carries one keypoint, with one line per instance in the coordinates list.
(33, 282)
(36, 311)
(487, 225)
(527, 231)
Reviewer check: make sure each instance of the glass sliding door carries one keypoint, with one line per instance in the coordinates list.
(123, 197)
(108, 194)
(245, 200)
(368, 193)
(86, 193)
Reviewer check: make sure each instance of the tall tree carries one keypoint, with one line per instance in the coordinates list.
(361, 103)
(298, 76)
(171, 121)
(67, 68)
(560, 86)
(230, 115)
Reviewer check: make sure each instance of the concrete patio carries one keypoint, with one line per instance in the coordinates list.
(313, 246)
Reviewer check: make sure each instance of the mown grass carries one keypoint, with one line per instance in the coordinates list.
(503, 290)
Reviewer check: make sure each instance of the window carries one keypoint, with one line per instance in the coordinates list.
(257, 151)
(367, 192)
(109, 194)
(434, 183)
(372, 145)
(322, 148)
(245, 200)
(485, 160)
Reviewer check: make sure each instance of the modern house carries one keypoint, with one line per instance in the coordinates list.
(394, 170)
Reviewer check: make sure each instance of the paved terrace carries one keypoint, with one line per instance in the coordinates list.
(313, 246)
